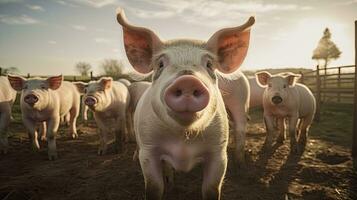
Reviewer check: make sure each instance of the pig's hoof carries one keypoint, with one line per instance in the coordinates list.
(52, 156)
(102, 152)
(294, 149)
(3, 151)
(302, 140)
(280, 140)
(43, 138)
(74, 135)
(35, 148)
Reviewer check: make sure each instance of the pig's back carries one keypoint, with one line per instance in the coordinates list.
(68, 96)
(307, 100)
(136, 90)
(120, 93)
(7, 94)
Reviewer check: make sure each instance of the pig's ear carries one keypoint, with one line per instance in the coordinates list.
(54, 82)
(262, 78)
(16, 82)
(140, 44)
(106, 82)
(292, 78)
(231, 46)
(80, 86)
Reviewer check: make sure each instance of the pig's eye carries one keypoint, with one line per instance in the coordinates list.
(209, 64)
(270, 85)
(284, 86)
(161, 64)
(43, 87)
(25, 87)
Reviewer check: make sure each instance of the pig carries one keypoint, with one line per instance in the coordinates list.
(256, 93)
(286, 100)
(47, 100)
(7, 99)
(136, 90)
(109, 102)
(236, 94)
(181, 120)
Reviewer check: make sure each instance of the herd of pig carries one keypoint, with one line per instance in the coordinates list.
(181, 118)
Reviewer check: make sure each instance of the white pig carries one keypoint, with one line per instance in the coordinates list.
(181, 120)
(136, 90)
(47, 100)
(7, 99)
(109, 101)
(284, 99)
(235, 92)
(256, 93)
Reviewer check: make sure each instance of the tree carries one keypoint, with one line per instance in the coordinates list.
(112, 67)
(9, 70)
(326, 50)
(83, 68)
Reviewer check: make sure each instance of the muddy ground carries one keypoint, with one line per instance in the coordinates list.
(323, 171)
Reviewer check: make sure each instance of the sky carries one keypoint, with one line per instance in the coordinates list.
(48, 37)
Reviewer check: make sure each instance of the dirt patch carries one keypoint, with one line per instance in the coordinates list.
(323, 171)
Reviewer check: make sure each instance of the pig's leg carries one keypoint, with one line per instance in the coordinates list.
(103, 142)
(120, 133)
(67, 119)
(103, 137)
(240, 124)
(282, 136)
(129, 126)
(168, 174)
(43, 130)
(306, 122)
(152, 168)
(31, 128)
(52, 128)
(73, 113)
(269, 124)
(84, 113)
(213, 174)
(293, 120)
(5, 118)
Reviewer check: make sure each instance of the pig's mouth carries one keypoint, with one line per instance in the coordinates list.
(185, 117)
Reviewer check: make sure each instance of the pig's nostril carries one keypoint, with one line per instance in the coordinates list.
(196, 93)
(178, 93)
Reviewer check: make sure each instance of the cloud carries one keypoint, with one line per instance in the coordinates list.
(10, 1)
(18, 20)
(209, 13)
(102, 40)
(347, 3)
(90, 3)
(79, 27)
(35, 7)
(52, 42)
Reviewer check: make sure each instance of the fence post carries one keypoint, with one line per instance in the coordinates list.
(0, 71)
(318, 94)
(339, 85)
(91, 75)
(74, 78)
(28, 75)
(354, 131)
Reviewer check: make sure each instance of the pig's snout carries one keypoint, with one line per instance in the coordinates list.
(90, 101)
(186, 95)
(276, 99)
(31, 99)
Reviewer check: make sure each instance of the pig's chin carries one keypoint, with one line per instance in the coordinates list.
(185, 118)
